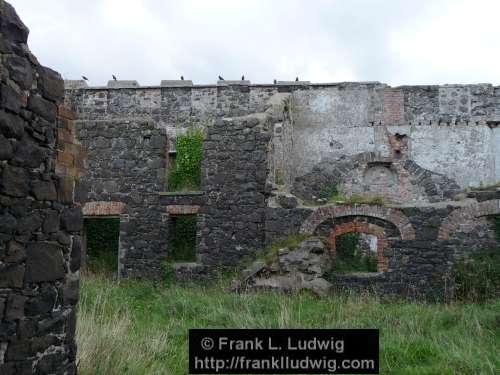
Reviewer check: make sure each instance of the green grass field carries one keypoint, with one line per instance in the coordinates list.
(135, 327)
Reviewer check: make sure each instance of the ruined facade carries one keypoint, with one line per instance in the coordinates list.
(40, 221)
(272, 156)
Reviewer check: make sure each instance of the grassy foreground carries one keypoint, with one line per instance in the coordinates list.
(136, 328)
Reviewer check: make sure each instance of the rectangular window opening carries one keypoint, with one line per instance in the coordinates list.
(101, 243)
(182, 238)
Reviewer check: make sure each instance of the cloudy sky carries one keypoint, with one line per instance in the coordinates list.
(392, 41)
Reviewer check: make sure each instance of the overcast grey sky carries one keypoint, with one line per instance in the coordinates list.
(392, 41)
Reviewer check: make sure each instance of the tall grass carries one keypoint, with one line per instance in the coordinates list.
(138, 328)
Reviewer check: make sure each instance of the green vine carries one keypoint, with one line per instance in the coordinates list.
(186, 174)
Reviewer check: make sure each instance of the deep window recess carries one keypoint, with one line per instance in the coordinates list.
(182, 238)
(355, 252)
(102, 237)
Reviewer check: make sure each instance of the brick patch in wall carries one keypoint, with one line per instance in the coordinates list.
(103, 208)
(178, 209)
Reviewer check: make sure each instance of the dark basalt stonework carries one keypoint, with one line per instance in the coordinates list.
(127, 164)
(235, 186)
(38, 268)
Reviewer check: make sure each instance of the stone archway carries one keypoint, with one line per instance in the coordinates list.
(360, 227)
(463, 219)
(391, 215)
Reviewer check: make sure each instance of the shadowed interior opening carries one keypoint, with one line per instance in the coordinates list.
(182, 238)
(102, 238)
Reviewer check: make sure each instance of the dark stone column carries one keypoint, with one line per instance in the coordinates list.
(234, 172)
(39, 222)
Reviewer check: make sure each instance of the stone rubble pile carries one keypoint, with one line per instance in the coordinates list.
(292, 270)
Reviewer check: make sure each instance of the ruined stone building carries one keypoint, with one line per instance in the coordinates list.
(278, 159)
(272, 152)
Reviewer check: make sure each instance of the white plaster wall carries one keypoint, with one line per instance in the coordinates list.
(463, 153)
(496, 150)
(331, 122)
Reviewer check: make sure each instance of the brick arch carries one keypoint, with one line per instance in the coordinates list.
(368, 228)
(391, 215)
(463, 218)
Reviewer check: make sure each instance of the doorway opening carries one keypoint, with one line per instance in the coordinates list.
(101, 242)
(182, 238)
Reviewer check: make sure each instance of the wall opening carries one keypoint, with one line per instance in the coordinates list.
(356, 252)
(184, 166)
(182, 238)
(101, 243)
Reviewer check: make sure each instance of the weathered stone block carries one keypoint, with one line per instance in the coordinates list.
(72, 219)
(15, 252)
(11, 26)
(11, 126)
(9, 98)
(52, 84)
(29, 154)
(51, 222)
(42, 107)
(42, 303)
(44, 263)
(8, 223)
(29, 223)
(15, 307)
(20, 71)
(11, 276)
(44, 190)
(5, 148)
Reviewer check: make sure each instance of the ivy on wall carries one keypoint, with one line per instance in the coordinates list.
(186, 174)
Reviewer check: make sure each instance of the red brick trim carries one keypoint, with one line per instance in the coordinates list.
(103, 208)
(463, 219)
(392, 215)
(182, 209)
(356, 227)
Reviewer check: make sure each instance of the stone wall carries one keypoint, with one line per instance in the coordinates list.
(126, 163)
(445, 125)
(396, 180)
(234, 183)
(420, 244)
(39, 222)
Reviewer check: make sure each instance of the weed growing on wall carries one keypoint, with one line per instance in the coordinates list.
(186, 174)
